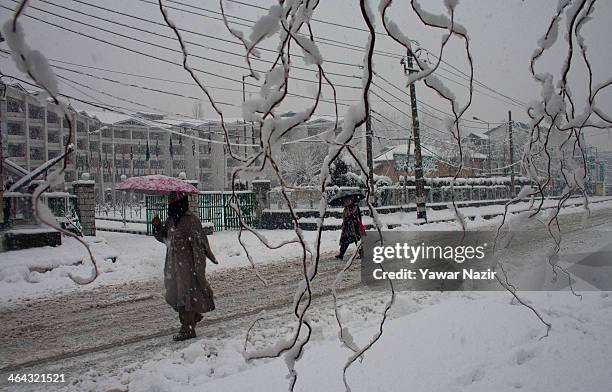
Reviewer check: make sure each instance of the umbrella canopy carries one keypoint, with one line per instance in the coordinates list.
(156, 184)
(337, 200)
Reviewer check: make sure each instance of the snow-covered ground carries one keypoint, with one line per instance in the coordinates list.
(138, 258)
(470, 341)
(141, 258)
(433, 342)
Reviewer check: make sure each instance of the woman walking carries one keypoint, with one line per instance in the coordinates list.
(352, 227)
(187, 289)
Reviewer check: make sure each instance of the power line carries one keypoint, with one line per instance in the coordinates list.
(225, 63)
(161, 46)
(166, 36)
(442, 61)
(323, 40)
(162, 59)
(346, 45)
(425, 103)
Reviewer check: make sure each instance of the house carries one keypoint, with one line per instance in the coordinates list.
(499, 146)
(438, 161)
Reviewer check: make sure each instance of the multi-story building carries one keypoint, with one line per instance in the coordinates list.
(110, 145)
(34, 130)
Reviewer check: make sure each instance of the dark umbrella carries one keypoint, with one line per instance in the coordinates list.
(338, 199)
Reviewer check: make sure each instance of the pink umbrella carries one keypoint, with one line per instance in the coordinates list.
(156, 184)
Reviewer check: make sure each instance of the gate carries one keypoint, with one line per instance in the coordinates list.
(213, 207)
(155, 205)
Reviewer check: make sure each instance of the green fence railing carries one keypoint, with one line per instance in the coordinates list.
(213, 208)
(155, 205)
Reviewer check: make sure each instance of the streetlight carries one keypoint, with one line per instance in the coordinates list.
(123, 178)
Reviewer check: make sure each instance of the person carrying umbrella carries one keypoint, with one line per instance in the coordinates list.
(352, 226)
(187, 249)
(187, 290)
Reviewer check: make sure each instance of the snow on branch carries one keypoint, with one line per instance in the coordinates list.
(35, 65)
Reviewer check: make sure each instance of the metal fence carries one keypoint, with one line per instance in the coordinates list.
(156, 205)
(212, 207)
(61, 205)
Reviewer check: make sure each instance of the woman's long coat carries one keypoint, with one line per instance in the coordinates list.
(351, 217)
(185, 269)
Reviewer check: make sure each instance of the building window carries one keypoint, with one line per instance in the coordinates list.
(204, 163)
(107, 133)
(94, 126)
(53, 153)
(205, 178)
(16, 150)
(120, 133)
(141, 135)
(52, 117)
(36, 112)
(80, 126)
(157, 136)
(15, 129)
(82, 162)
(94, 146)
(53, 136)
(37, 153)
(107, 148)
(14, 105)
(36, 133)
(81, 144)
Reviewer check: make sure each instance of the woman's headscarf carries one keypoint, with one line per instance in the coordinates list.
(177, 208)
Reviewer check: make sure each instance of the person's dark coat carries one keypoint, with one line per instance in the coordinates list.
(185, 269)
(351, 218)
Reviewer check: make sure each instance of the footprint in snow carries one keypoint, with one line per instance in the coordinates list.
(524, 355)
(471, 377)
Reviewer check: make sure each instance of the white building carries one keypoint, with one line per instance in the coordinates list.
(110, 144)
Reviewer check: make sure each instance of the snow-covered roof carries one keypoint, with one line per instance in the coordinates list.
(477, 155)
(184, 121)
(319, 119)
(401, 149)
(480, 135)
(426, 151)
(108, 117)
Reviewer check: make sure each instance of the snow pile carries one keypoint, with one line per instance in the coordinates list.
(39, 271)
(43, 271)
(458, 342)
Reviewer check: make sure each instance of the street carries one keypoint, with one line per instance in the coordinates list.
(110, 326)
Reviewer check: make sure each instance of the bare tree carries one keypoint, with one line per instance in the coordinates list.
(197, 110)
(301, 166)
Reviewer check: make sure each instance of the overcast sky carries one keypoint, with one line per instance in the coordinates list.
(503, 35)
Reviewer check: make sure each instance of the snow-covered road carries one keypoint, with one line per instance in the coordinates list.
(118, 327)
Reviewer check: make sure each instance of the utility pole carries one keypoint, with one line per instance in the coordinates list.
(369, 157)
(246, 153)
(511, 142)
(418, 162)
